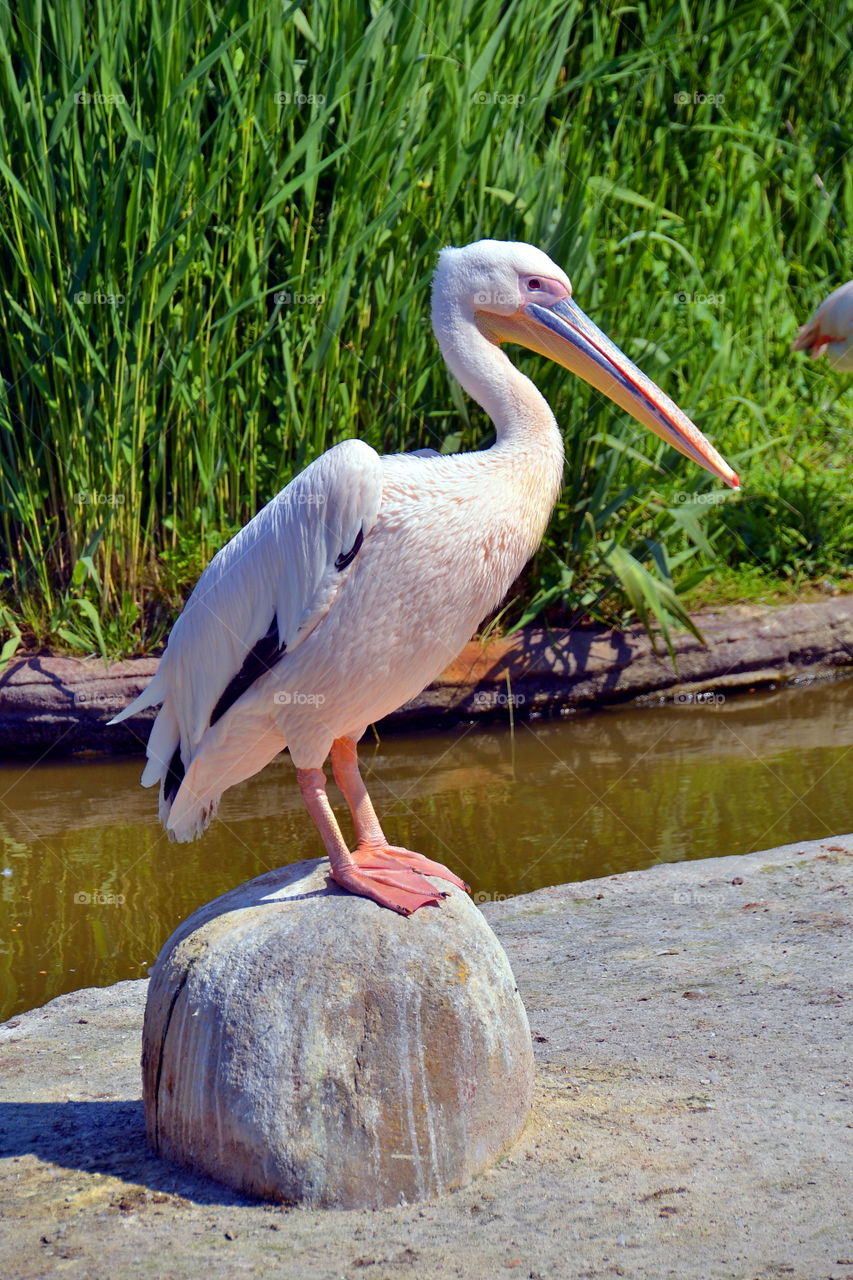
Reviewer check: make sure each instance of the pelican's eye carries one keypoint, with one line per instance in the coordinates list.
(543, 291)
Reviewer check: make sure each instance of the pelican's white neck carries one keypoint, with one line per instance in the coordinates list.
(517, 408)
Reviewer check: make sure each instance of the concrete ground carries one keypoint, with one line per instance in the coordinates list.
(692, 1030)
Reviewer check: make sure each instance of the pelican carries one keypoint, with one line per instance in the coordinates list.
(830, 330)
(363, 578)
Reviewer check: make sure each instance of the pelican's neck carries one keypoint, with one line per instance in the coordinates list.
(529, 444)
(521, 415)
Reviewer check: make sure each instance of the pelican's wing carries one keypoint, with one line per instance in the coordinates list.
(260, 596)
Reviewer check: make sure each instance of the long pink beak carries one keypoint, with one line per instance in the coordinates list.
(563, 333)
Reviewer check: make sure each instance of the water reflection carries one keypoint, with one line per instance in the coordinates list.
(91, 886)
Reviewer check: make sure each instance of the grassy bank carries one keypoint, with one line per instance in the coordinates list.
(217, 229)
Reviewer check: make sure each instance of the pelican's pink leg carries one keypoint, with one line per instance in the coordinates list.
(368, 833)
(390, 883)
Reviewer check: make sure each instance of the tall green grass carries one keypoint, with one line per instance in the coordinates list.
(217, 229)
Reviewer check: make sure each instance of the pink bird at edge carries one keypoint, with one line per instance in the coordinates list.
(829, 332)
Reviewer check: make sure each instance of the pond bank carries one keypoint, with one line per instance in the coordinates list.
(63, 704)
(690, 1025)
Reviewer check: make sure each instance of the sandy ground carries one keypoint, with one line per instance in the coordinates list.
(692, 1119)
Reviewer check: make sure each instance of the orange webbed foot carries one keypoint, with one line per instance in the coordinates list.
(417, 862)
(394, 877)
(395, 887)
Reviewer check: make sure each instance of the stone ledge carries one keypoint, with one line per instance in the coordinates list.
(63, 704)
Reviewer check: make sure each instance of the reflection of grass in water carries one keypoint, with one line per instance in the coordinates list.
(100, 902)
(559, 801)
(606, 794)
(157, 392)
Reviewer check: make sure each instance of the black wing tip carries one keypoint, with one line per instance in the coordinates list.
(260, 659)
(174, 776)
(265, 654)
(347, 557)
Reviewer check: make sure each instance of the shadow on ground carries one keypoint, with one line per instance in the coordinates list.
(106, 1137)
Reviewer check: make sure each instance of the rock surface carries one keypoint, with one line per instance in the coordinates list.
(65, 703)
(306, 1046)
(691, 1025)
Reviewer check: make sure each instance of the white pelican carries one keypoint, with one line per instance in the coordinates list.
(830, 330)
(359, 582)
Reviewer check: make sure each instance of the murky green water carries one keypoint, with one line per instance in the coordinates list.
(91, 887)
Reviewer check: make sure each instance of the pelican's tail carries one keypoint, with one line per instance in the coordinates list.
(190, 821)
(165, 764)
(192, 778)
(221, 760)
(165, 761)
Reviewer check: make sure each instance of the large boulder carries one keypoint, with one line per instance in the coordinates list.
(305, 1045)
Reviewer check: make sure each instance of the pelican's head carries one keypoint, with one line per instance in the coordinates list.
(515, 293)
(829, 332)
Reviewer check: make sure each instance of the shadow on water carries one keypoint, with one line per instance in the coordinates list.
(91, 887)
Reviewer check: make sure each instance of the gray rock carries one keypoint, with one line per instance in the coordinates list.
(305, 1045)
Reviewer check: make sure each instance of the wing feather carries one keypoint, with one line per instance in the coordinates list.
(285, 567)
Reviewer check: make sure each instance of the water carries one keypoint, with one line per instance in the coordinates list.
(92, 888)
